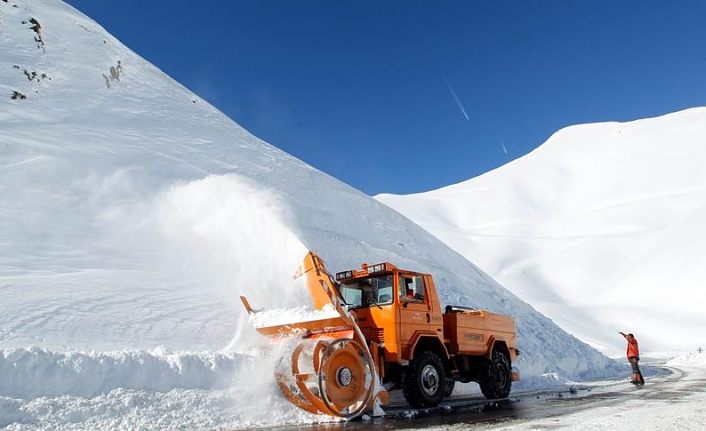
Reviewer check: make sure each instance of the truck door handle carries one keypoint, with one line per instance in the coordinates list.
(428, 318)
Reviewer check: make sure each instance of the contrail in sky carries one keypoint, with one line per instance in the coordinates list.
(502, 144)
(458, 101)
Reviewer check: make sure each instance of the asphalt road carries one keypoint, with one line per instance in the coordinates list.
(460, 412)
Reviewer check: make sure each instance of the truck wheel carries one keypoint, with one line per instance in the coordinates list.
(496, 377)
(449, 388)
(424, 381)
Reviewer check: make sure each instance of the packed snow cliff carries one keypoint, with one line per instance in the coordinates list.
(132, 216)
(600, 228)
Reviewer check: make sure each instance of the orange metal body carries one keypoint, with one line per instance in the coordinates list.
(401, 325)
(473, 332)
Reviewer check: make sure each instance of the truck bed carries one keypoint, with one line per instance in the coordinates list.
(472, 332)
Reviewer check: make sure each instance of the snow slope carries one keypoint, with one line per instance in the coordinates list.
(600, 228)
(132, 216)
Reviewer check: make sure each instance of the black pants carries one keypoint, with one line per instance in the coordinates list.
(636, 374)
(633, 362)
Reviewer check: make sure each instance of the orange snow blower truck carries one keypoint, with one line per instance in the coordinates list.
(381, 328)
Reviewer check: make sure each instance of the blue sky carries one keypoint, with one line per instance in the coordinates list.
(408, 96)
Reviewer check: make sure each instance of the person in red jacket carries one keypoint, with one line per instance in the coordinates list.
(634, 358)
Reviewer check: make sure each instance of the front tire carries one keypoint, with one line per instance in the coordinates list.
(496, 376)
(449, 388)
(425, 381)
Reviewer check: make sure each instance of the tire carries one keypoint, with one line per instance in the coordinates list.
(496, 377)
(424, 381)
(449, 388)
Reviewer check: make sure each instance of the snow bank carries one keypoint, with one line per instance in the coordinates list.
(41, 389)
(126, 409)
(688, 360)
(35, 372)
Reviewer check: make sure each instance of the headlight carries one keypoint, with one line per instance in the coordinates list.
(344, 275)
(376, 268)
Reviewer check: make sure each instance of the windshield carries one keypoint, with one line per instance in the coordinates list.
(366, 292)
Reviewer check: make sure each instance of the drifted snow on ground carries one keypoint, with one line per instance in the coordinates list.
(35, 372)
(133, 215)
(142, 390)
(600, 228)
(697, 359)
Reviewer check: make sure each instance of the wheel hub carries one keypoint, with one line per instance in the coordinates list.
(344, 376)
(430, 380)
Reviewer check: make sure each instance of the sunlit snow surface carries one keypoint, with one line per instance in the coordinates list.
(693, 359)
(601, 228)
(133, 215)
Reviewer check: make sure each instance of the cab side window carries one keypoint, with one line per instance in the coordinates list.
(419, 287)
(412, 288)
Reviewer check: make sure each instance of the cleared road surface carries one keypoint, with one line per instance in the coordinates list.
(674, 401)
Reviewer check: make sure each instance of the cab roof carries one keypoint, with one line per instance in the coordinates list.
(365, 271)
(368, 270)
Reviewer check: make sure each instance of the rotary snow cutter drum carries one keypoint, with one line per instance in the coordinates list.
(328, 376)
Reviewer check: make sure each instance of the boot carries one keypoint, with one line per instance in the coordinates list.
(635, 379)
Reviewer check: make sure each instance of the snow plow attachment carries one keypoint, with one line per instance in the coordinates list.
(331, 370)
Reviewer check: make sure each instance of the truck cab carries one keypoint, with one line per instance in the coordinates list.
(417, 347)
(392, 306)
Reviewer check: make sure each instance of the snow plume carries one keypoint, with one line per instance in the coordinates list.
(233, 234)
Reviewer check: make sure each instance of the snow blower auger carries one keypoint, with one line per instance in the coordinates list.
(331, 370)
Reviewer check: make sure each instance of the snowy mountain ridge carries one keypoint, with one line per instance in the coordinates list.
(132, 216)
(600, 228)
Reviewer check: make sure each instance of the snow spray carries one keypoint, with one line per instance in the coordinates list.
(234, 235)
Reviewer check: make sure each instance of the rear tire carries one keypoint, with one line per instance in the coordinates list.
(424, 381)
(449, 388)
(496, 376)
